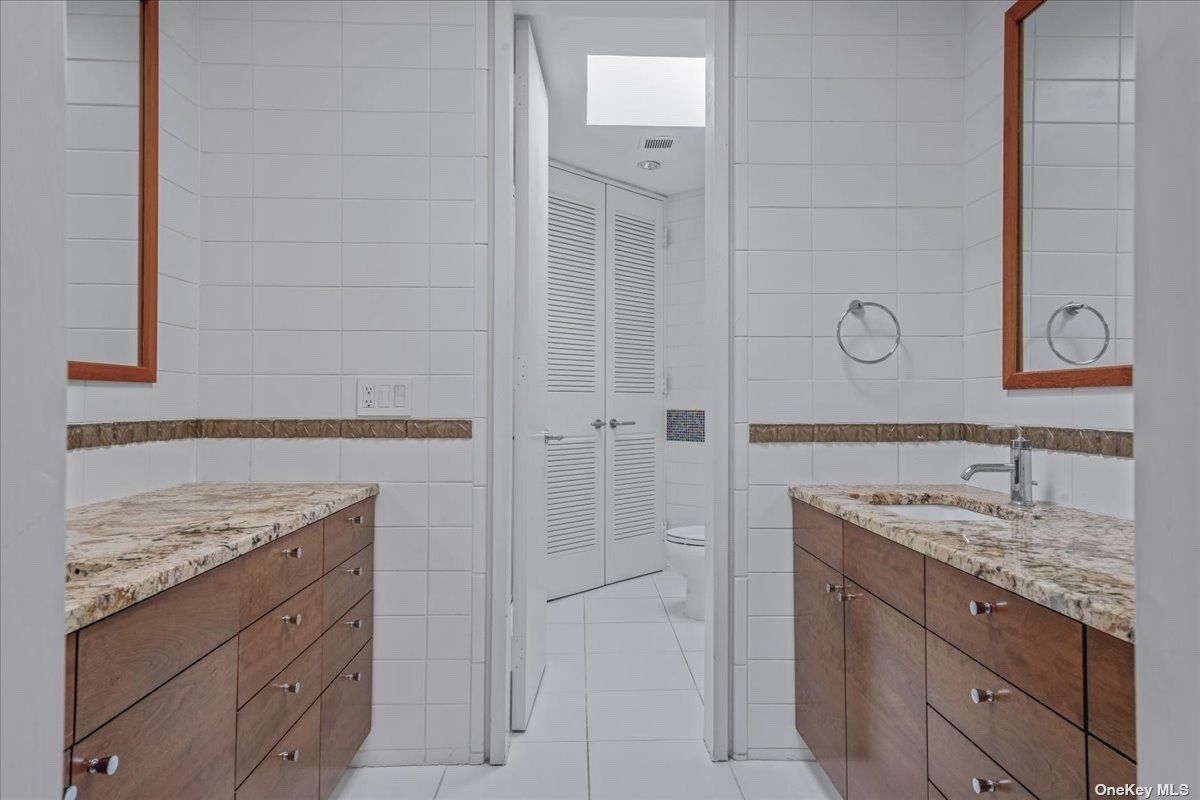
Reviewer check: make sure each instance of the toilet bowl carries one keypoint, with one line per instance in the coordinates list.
(685, 554)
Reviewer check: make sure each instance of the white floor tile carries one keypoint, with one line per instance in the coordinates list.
(631, 637)
(389, 783)
(670, 584)
(634, 587)
(783, 780)
(564, 673)
(557, 717)
(658, 771)
(568, 609)
(623, 609)
(695, 662)
(677, 610)
(640, 672)
(564, 638)
(535, 771)
(632, 716)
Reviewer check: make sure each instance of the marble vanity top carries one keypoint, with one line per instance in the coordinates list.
(123, 551)
(1072, 561)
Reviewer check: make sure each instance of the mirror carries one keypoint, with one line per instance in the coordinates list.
(112, 189)
(1068, 193)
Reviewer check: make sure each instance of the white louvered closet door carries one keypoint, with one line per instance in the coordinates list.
(634, 510)
(575, 384)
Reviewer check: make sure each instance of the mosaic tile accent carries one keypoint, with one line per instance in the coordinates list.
(685, 425)
(108, 434)
(1087, 441)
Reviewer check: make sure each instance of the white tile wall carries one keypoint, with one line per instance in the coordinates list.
(686, 470)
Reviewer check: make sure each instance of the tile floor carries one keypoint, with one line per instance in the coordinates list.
(619, 717)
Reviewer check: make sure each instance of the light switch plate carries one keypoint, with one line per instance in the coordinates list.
(384, 396)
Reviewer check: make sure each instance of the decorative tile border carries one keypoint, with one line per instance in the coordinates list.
(1087, 441)
(685, 425)
(108, 434)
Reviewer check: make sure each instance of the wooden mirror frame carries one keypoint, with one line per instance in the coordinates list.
(146, 368)
(1013, 376)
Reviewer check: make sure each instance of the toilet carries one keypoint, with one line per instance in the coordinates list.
(685, 554)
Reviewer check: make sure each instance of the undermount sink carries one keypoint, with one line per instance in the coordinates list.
(938, 512)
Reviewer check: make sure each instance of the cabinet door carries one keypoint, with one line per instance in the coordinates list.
(885, 700)
(820, 664)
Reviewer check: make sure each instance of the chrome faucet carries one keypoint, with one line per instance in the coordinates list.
(1019, 468)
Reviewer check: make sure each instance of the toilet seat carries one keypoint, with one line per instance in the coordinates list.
(688, 535)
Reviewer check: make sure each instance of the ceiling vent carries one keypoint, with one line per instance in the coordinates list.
(657, 143)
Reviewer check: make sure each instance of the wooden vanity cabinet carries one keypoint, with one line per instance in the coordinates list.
(233, 682)
(903, 692)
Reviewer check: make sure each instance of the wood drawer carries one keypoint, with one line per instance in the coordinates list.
(890, 571)
(1111, 714)
(173, 743)
(1107, 766)
(347, 583)
(345, 720)
(817, 532)
(275, 640)
(279, 569)
(1031, 646)
(124, 657)
(269, 714)
(954, 762)
(1041, 749)
(295, 777)
(934, 794)
(69, 692)
(348, 531)
(346, 637)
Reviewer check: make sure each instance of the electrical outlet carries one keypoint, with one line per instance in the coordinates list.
(384, 396)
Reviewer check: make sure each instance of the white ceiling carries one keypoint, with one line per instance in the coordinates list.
(564, 41)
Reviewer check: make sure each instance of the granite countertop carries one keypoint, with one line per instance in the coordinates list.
(123, 551)
(1072, 561)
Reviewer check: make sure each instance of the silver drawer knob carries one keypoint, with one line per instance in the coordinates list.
(290, 688)
(983, 785)
(844, 596)
(293, 619)
(103, 766)
(294, 552)
(977, 607)
(352, 676)
(290, 755)
(354, 623)
(830, 588)
(353, 571)
(357, 519)
(983, 696)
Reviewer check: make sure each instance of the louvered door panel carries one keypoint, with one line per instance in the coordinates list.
(575, 348)
(634, 400)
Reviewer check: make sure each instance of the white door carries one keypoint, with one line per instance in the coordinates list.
(635, 516)
(575, 383)
(530, 409)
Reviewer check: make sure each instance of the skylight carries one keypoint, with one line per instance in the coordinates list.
(654, 91)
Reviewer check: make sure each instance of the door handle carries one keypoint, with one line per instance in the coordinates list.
(597, 423)
(548, 437)
(616, 423)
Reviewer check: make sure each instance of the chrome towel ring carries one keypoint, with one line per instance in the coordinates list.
(857, 307)
(1071, 310)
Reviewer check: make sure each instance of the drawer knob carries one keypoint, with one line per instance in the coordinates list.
(354, 623)
(977, 607)
(983, 696)
(357, 519)
(290, 755)
(293, 552)
(830, 588)
(290, 688)
(293, 619)
(352, 676)
(844, 596)
(983, 785)
(354, 571)
(103, 766)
